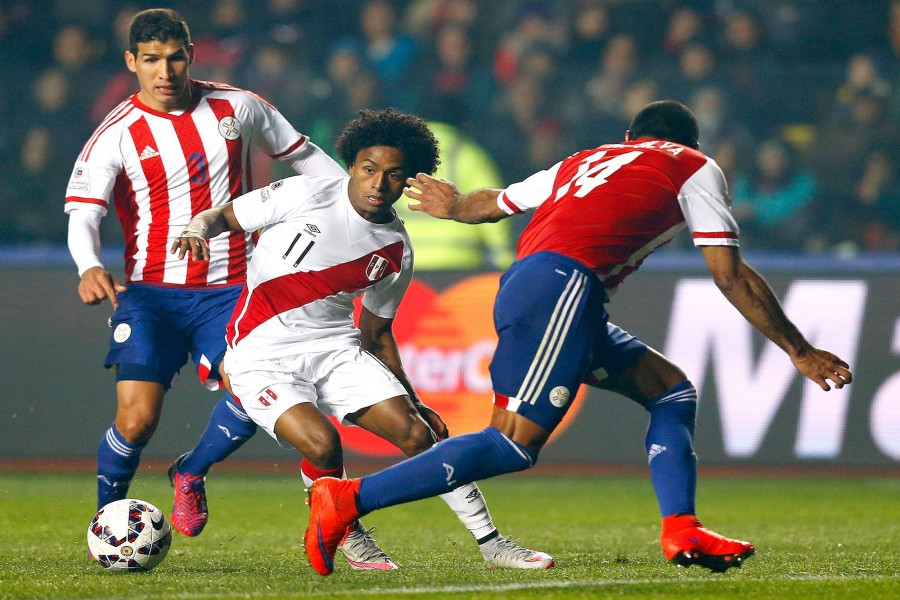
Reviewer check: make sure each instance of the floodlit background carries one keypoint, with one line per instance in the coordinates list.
(798, 102)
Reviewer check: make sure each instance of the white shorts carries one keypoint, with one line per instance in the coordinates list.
(339, 382)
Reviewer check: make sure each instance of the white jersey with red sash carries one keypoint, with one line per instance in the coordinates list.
(314, 257)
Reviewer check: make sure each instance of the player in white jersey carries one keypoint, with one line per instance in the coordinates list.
(174, 148)
(294, 355)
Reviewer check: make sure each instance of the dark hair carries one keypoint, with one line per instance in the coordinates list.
(667, 120)
(389, 127)
(157, 24)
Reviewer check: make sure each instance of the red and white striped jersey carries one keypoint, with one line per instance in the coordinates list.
(316, 254)
(611, 206)
(160, 169)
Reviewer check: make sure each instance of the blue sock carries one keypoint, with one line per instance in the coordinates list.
(117, 462)
(670, 449)
(447, 465)
(229, 427)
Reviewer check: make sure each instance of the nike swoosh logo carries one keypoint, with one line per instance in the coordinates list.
(329, 563)
(157, 525)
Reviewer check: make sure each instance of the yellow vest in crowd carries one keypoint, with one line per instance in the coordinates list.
(443, 244)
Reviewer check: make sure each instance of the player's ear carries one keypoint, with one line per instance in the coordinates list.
(627, 135)
(131, 61)
(191, 54)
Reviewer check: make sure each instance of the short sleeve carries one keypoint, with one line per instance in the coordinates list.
(270, 204)
(528, 194)
(706, 206)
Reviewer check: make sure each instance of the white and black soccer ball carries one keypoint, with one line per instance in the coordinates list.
(129, 535)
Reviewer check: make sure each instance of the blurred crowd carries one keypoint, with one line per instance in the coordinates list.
(798, 100)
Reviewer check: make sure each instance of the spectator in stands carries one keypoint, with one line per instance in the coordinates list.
(388, 51)
(521, 106)
(874, 206)
(350, 85)
(862, 77)
(450, 81)
(751, 71)
(725, 139)
(771, 202)
(617, 67)
(534, 23)
(838, 153)
(685, 27)
(591, 29)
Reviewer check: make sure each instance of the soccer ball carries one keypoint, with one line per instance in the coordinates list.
(129, 535)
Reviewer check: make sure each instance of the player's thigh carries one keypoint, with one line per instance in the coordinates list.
(629, 367)
(268, 388)
(397, 421)
(146, 343)
(547, 313)
(349, 381)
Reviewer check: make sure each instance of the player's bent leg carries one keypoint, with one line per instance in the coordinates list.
(228, 429)
(336, 504)
(359, 548)
(685, 542)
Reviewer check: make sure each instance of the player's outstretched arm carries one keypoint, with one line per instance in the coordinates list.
(754, 299)
(204, 226)
(441, 198)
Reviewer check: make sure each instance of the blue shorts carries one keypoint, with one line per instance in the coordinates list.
(155, 329)
(554, 332)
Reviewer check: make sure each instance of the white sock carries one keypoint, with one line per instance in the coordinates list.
(469, 505)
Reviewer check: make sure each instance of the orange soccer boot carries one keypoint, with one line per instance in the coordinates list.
(685, 542)
(332, 516)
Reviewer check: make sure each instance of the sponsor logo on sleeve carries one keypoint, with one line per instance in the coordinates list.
(80, 181)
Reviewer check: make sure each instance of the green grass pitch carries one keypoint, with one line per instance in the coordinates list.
(816, 538)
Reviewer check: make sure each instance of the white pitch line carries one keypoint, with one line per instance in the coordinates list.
(524, 585)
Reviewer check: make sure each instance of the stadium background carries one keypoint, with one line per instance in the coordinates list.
(819, 80)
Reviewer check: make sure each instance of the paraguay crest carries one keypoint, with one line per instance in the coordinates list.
(229, 128)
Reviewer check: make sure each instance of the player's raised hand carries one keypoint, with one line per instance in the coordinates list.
(824, 368)
(97, 285)
(436, 197)
(191, 243)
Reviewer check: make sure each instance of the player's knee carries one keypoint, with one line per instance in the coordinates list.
(323, 451)
(325, 457)
(417, 439)
(136, 428)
